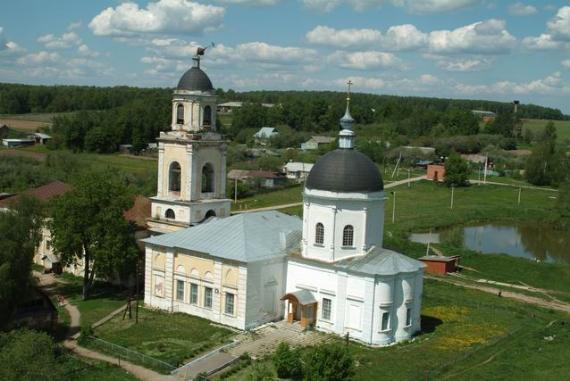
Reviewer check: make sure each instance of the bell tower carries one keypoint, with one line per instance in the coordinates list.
(191, 158)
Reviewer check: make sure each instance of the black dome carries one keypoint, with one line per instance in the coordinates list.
(195, 80)
(345, 170)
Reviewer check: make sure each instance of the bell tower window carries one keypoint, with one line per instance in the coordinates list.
(170, 214)
(174, 177)
(207, 178)
(207, 120)
(180, 114)
(319, 234)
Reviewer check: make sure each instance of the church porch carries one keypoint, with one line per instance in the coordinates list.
(301, 306)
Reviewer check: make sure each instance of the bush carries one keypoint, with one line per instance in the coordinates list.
(260, 372)
(329, 362)
(86, 334)
(287, 362)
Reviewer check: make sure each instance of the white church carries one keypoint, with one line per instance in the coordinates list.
(327, 271)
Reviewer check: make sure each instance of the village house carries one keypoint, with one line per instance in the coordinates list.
(265, 133)
(316, 142)
(327, 270)
(258, 178)
(297, 171)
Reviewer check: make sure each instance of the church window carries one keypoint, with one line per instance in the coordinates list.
(385, 321)
(408, 317)
(208, 297)
(230, 302)
(207, 178)
(327, 309)
(319, 234)
(170, 214)
(193, 293)
(348, 236)
(174, 177)
(180, 290)
(180, 114)
(207, 120)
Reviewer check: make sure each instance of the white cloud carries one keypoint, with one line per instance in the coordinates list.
(261, 52)
(65, 41)
(428, 79)
(551, 84)
(566, 64)
(324, 35)
(464, 65)
(483, 37)
(364, 60)
(74, 25)
(250, 2)
(362, 82)
(413, 6)
(8, 48)
(38, 58)
(85, 51)
(520, 9)
(542, 42)
(559, 26)
(162, 16)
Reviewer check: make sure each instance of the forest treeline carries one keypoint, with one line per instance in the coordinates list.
(105, 117)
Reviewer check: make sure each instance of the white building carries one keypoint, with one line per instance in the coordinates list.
(328, 271)
(316, 141)
(297, 171)
(266, 133)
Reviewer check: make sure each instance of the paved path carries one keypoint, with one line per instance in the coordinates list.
(48, 283)
(285, 206)
(512, 185)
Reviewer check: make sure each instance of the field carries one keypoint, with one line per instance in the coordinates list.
(537, 126)
(28, 122)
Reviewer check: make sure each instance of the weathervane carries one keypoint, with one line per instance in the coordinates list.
(200, 51)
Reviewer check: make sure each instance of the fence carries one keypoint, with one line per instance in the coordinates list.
(129, 355)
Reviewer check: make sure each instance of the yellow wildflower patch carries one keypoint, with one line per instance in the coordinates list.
(447, 314)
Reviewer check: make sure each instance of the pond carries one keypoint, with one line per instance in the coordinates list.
(530, 241)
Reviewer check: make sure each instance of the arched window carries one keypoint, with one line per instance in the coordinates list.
(210, 213)
(207, 121)
(348, 236)
(174, 177)
(319, 234)
(180, 114)
(207, 178)
(170, 214)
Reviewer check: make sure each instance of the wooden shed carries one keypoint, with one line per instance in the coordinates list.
(437, 264)
(436, 172)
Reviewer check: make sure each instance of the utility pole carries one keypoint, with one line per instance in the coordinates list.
(409, 177)
(137, 279)
(485, 170)
(479, 183)
(452, 193)
(394, 208)
(519, 198)
(235, 190)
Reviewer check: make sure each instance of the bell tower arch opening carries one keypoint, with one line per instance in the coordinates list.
(207, 178)
(174, 178)
(207, 118)
(180, 114)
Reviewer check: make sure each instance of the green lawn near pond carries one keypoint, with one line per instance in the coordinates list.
(172, 338)
(537, 127)
(468, 335)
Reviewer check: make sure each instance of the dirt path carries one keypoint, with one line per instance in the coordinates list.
(48, 284)
(534, 300)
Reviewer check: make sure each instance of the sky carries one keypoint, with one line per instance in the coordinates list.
(477, 49)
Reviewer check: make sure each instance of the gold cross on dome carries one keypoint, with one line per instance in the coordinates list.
(349, 84)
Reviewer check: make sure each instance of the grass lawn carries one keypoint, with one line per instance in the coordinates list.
(103, 300)
(469, 335)
(283, 196)
(172, 338)
(80, 369)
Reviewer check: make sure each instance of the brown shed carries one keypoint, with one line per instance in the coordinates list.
(437, 264)
(436, 172)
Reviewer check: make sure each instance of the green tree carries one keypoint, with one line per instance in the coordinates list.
(504, 124)
(287, 363)
(329, 362)
(20, 227)
(456, 171)
(546, 166)
(88, 227)
(549, 133)
(28, 356)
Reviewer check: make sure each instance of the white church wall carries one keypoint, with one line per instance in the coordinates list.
(265, 287)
